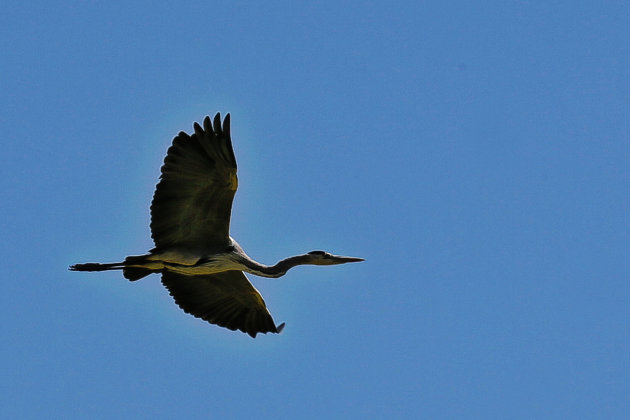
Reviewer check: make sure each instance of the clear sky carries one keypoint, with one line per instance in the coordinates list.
(476, 154)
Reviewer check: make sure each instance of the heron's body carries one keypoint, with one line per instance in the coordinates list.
(201, 265)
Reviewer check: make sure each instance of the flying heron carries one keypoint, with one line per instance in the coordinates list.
(201, 264)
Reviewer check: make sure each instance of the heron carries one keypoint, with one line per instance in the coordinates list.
(201, 265)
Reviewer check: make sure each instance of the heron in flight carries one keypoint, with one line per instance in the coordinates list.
(201, 265)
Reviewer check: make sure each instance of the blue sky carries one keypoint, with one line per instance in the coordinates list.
(476, 154)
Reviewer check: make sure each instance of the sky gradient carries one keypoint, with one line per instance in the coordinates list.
(476, 154)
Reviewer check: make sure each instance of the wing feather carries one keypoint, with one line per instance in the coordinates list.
(226, 299)
(193, 201)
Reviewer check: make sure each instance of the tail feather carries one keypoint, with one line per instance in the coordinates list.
(136, 273)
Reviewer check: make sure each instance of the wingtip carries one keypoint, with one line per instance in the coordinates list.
(226, 125)
(198, 129)
(217, 123)
(278, 330)
(207, 124)
(214, 124)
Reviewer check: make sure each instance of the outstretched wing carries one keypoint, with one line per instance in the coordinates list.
(192, 202)
(226, 299)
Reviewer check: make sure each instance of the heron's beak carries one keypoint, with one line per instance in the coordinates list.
(342, 260)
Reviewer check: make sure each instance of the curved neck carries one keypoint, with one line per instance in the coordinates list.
(278, 270)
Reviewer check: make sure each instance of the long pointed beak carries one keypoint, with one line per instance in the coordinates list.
(341, 259)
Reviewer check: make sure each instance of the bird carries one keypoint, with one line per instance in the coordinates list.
(201, 265)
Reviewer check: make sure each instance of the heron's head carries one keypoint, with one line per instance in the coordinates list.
(325, 258)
